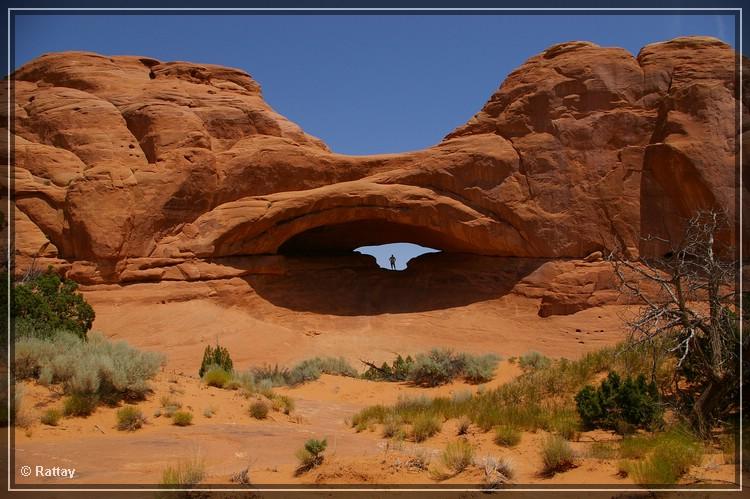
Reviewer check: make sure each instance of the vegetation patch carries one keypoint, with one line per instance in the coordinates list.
(424, 426)
(632, 401)
(95, 369)
(557, 456)
(311, 455)
(184, 475)
(663, 458)
(507, 436)
(51, 417)
(259, 409)
(130, 418)
(182, 418)
(215, 356)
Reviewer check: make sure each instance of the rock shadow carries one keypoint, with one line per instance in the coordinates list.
(432, 281)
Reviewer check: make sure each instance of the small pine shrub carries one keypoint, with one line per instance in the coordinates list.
(557, 456)
(614, 402)
(507, 436)
(259, 409)
(311, 454)
(424, 426)
(217, 376)
(130, 418)
(51, 417)
(80, 404)
(182, 418)
(533, 361)
(215, 356)
(458, 455)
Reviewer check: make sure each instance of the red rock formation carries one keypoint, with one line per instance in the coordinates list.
(136, 169)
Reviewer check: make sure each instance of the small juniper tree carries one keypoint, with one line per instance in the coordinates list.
(217, 356)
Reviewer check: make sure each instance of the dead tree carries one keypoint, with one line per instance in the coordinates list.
(689, 303)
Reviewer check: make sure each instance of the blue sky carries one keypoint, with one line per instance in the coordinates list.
(364, 84)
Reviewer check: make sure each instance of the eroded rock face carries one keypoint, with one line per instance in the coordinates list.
(140, 170)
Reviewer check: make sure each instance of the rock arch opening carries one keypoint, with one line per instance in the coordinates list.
(402, 253)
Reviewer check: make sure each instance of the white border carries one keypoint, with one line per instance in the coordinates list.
(738, 50)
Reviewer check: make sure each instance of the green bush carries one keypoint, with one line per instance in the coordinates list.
(310, 455)
(80, 404)
(130, 418)
(557, 456)
(182, 418)
(441, 366)
(307, 370)
(633, 402)
(424, 426)
(533, 361)
(259, 409)
(458, 455)
(217, 376)
(507, 436)
(47, 303)
(218, 356)
(51, 417)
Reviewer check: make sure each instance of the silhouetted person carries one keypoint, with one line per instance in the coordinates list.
(392, 259)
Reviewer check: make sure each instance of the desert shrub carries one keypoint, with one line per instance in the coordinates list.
(241, 477)
(110, 370)
(438, 367)
(507, 436)
(182, 418)
(458, 455)
(311, 369)
(419, 460)
(463, 425)
(497, 470)
(393, 428)
(282, 403)
(480, 368)
(557, 455)
(185, 474)
(80, 404)
(632, 401)
(51, 417)
(169, 405)
(259, 409)
(307, 370)
(311, 454)
(130, 418)
(242, 381)
(47, 303)
(215, 356)
(424, 426)
(674, 453)
(217, 376)
(209, 411)
(532, 361)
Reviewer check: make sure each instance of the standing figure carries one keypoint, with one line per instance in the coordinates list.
(392, 259)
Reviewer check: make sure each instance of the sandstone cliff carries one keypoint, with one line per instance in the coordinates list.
(140, 170)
